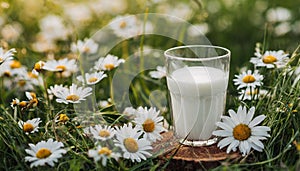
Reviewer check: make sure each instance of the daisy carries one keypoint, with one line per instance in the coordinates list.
(63, 118)
(65, 66)
(73, 94)
(103, 153)
(127, 138)
(250, 93)
(102, 133)
(159, 73)
(44, 152)
(92, 78)
(240, 130)
(6, 56)
(150, 123)
(125, 26)
(31, 96)
(30, 126)
(108, 63)
(270, 59)
(87, 46)
(105, 103)
(248, 79)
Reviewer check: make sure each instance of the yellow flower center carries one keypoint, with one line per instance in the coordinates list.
(252, 92)
(28, 127)
(38, 66)
(241, 132)
(7, 74)
(32, 75)
(269, 59)
(106, 151)
(23, 104)
(86, 49)
(104, 133)
(72, 97)
(123, 24)
(249, 79)
(43, 153)
(131, 145)
(15, 64)
(109, 66)
(149, 125)
(93, 79)
(61, 68)
(33, 102)
(63, 118)
(1, 59)
(21, 83)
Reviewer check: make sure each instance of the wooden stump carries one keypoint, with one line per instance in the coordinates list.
(188, 157)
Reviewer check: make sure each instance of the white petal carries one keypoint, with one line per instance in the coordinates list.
(222, 133)
(257, 121)
(250, 115)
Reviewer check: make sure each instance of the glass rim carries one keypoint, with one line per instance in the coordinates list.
(167, 55)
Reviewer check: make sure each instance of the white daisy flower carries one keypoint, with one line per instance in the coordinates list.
(73, 94)
(33, 101)
(108, 63)
(102, 133)
(159, 73)
(105, 103)
(125, 26)
(127, 138)
(251, 93)
(92, 78)
(87, 46)
(54, 90)
(44, 153)
(248, 79)
(270, 59)
(103, 153)
(30, 126)
(65, 66)
(150, 123)
(6, 56)
(240, 130)
(15, 102)
(129, 111)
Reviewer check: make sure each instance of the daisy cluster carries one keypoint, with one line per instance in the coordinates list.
(251, 81)
(131, 141)
(240, 130)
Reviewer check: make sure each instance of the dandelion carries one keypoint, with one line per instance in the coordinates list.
(30, 126)
(159, 73)
(248, 79)
(108, 63)
(150, 123)
(270, 59)
(239, 130)
(6, 56)
(88, 46)
(74, 94)
(44, 153)
(102, 133)
(127, 138)
(92, 78)
(103, 154)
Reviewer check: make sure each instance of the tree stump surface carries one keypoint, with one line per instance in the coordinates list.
(211, 156)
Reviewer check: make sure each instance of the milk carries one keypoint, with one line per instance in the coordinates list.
(198, 97)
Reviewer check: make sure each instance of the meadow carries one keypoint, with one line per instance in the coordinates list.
(83, 84)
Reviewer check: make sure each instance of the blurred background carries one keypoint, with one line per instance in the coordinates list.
(36, 28)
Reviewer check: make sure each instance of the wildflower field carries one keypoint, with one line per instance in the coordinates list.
(83, 83)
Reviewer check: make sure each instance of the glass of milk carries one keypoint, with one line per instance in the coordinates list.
(197, 79)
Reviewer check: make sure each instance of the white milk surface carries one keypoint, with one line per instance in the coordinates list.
(198, 97)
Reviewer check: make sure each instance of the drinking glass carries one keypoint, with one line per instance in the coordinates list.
(197, 79)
